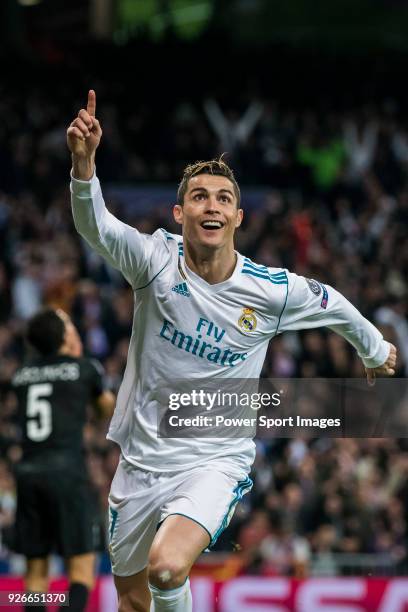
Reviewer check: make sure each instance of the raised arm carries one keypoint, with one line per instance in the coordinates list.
(310, 304)
(136, 255)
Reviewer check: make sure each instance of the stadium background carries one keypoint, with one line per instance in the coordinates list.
(309, 100)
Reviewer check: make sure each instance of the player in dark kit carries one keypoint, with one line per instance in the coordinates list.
(54, 509)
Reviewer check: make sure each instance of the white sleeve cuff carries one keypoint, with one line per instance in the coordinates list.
(85, 189)
(379, 358)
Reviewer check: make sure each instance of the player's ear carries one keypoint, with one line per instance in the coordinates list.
(178, 213)
(240, 216)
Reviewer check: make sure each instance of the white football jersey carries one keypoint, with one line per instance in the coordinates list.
(184, 327)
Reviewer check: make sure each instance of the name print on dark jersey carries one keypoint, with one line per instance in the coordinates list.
(53, 394)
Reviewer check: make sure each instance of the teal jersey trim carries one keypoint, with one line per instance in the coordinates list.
(249, 262)
(281, 280)
(114, 518)
(170, 237)
(260, 271)
(278, 275)
(283, 309)
(242, 487)
(155, 276)
(166, 233)
(261, 268)
(191, 519)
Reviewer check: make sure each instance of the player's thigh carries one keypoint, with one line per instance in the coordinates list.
(198, 508)
(208, 496)
(177, 544)
(81, 568)
(135, 503)
(133, 592)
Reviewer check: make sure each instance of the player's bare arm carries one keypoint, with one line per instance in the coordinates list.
(83, 137)
(105, 404)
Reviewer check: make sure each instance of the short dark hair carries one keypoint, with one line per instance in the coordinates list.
(214, 166)
(45, 332)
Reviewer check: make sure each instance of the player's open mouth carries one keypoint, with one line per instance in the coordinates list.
(212, 225)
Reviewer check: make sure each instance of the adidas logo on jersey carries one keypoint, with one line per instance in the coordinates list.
(182, 289)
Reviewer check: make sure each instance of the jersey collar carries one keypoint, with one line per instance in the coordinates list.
(196, 280)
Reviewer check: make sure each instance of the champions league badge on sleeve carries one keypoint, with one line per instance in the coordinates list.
(247, 321)
(314, 286)
(325, 298)
(317, 288)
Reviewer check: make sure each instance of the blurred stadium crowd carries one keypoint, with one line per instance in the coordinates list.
(336, 209)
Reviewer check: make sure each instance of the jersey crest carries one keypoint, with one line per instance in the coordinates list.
(247, 321)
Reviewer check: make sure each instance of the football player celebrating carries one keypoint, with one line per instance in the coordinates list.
(212, 311)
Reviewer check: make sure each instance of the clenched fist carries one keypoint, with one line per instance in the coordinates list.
(387, 369)
(83, 137)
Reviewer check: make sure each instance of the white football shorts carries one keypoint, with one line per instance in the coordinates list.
(139, 501)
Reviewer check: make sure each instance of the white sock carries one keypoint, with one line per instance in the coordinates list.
(172, 600)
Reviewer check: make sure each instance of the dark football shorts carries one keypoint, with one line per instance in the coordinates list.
(55, 513)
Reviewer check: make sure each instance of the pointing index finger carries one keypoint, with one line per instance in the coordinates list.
(91, 105)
